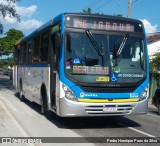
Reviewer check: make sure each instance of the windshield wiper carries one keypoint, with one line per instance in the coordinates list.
(117, 52)
(120, 49)
(94, 43)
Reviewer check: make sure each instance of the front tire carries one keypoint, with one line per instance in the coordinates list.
(44, 108)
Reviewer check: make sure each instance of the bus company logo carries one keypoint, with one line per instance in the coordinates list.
(133, 95)
(82, 94)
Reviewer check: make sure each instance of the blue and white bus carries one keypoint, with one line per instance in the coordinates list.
(80, 65)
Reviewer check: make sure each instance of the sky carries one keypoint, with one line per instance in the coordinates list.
(35, 13)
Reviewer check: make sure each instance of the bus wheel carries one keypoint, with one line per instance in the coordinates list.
(43, 107)
(21, 96)
(43, 102)
(48, 114)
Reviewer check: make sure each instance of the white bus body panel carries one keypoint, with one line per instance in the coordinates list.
(32, 80)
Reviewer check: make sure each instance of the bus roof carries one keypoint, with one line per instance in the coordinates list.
(59, 17)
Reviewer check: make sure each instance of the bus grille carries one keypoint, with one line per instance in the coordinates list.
(108, 89)
(121, 109)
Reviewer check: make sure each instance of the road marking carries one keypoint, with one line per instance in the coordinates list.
(15, 122)
(139, 131)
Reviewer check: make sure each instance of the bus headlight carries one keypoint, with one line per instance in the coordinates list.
(68, 93)
(144, 94)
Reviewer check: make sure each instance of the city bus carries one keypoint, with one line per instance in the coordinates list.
(80, 65)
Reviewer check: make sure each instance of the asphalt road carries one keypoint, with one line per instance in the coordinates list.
(23, 119)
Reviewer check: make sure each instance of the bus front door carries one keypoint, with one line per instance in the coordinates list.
(54, 68)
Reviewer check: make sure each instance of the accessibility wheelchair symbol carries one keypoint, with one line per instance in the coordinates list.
(114, 77)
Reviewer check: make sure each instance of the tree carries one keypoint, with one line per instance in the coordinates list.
(7, 46)
(155, 66)
(7, 43)
(88, 11)
(119, 15)
(8, 9)
(4, 63)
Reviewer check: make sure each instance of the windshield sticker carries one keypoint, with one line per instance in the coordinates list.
(102, 79)
(116, 69)
(130, 75)
(114, 77)
(68, 65)
(95, 70)
(76, 61)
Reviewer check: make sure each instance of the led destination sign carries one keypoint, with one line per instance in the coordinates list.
(102, 24)
(90, 70)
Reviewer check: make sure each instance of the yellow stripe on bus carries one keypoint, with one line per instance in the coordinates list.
(106, 100)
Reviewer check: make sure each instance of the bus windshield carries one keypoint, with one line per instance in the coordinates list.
(121, 62)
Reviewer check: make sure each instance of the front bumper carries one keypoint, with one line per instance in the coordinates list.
(83, 109)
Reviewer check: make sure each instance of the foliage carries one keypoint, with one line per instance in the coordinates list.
(4, 63)
(7, 43)
(7, 46)
(155, 65)
(88, 11)
(119, 15)
(8, 9)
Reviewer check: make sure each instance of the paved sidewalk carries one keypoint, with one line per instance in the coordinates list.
(150, 105)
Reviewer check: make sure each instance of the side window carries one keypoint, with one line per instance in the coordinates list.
(36, 52)
(21, 54)
(29, 49)
(44, 46)
(24, 58)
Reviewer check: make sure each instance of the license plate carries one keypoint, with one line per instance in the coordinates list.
(110, 108)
